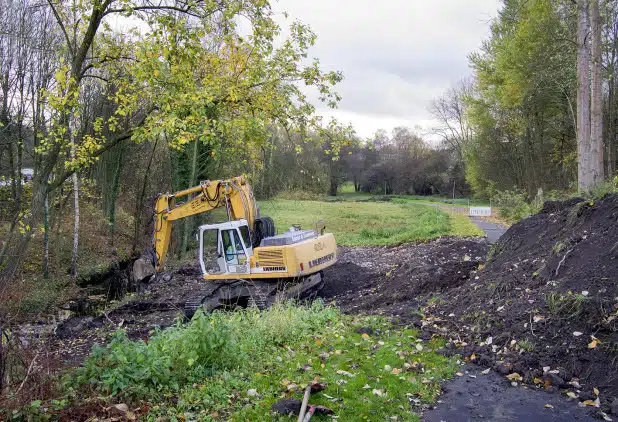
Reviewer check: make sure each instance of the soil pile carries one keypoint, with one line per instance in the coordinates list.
(546, 304)
(389, 280)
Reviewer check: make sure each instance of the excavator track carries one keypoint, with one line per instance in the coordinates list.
(257, 293)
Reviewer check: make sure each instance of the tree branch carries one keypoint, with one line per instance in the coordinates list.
(64, 31)
(115, 141)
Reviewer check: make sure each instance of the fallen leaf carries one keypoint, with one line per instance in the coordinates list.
(366, 387)
(572, 395)
(549, 406)
(585, 293)
(459, 374)
(365, 336)
(514, 377)
(388, 368)
(419, 347)
(595, 403)
(593, 343)
(489, 340)
(486, 371)
(596, 391)
(577, 333)
(396, 371)
(379, 393)
(122, 407)
(546, 368)
(345, 373)
(538, 318)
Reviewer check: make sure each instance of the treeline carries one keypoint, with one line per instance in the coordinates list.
(107, 116)
(542, 108)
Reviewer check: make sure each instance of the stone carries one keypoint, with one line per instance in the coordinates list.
(142, 269)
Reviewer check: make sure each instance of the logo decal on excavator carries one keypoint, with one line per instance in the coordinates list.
(321, 260)
(319, 246)
(275, 269)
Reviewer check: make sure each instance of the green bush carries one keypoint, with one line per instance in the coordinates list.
(182, 355)
(515, 205)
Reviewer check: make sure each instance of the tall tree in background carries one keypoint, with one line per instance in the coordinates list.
(584, 177)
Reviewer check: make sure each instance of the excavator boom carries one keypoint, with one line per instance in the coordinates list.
(235, 194)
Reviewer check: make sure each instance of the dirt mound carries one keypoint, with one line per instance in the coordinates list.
(546, 304)
(389, 280)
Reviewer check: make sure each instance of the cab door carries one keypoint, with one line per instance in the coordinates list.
(234, 251)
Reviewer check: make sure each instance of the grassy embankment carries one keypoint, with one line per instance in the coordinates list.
(234, 366)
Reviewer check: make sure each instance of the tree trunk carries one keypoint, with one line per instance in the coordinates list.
(140, 201)
(46, 238)
(188, 222)
(596, 113)
(583, 98)
(74, 254)
(114, 196)
(17, 247)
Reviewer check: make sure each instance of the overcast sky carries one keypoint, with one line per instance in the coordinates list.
(396, 55)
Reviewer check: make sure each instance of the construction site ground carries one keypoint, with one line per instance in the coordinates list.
(534, 315)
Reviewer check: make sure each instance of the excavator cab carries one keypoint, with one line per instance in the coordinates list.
(225, 248)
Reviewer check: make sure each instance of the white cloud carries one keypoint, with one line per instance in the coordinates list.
(396, 55)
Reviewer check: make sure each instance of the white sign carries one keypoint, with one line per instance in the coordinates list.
(480, 211)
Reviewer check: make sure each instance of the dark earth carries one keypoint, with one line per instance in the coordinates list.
(539, 307)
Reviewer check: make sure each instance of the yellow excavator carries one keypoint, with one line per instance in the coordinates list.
(246, 261)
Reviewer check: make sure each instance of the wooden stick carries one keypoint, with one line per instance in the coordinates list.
(303, 407)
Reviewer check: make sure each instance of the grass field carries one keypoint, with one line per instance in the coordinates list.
(370, 223)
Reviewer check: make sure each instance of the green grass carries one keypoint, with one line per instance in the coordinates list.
(205, 370)
(461, 225)
(370, 223)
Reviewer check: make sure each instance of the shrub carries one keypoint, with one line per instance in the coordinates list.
(182, 355)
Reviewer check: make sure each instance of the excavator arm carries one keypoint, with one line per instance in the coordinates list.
(235, 194)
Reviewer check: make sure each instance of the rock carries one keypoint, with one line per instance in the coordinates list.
(287, 407)
(555, 380)
(503, 369)
(484, 360)
(142, 269)
(424, 335)
(365, 330)
(613, 407)
(167, 277)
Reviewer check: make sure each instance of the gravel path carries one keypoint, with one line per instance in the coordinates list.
(490, 397)
(492, 230)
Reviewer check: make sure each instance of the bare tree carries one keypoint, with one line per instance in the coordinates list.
(450, 112)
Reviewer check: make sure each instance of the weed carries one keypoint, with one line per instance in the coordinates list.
(526, 345)
(559, 247)
(565, 305)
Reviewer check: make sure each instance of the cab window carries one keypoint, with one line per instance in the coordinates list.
(244, 232)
